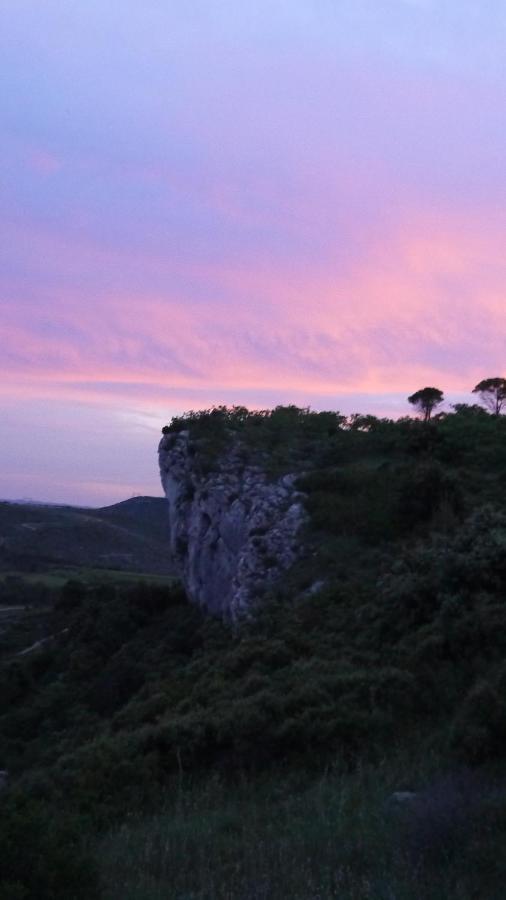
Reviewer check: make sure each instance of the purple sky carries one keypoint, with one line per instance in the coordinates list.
(204, 203)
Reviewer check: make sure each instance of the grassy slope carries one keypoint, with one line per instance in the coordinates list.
(272, 752)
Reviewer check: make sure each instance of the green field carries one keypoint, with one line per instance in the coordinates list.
(56, 578)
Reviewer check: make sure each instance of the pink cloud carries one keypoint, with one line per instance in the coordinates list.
(423, 304)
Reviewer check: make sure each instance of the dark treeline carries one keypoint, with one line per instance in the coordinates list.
(491, 392)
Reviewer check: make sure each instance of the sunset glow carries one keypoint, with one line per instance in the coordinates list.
(304, 203)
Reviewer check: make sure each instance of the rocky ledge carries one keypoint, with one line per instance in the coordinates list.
(233, 532)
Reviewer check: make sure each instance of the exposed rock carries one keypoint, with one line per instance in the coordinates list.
(315, 588)
(232, 531)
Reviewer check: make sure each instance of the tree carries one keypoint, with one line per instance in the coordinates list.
(426, 401)
(492, 393)
(359, 422)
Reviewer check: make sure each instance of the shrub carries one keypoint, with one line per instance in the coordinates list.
(42, 855)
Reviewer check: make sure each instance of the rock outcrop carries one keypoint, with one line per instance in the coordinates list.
(233, 532)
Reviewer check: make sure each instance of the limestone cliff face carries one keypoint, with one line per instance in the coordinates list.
(232, 531)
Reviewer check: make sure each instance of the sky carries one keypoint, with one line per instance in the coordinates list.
(274, 201)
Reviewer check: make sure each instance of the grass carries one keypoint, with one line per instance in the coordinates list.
(338, 837)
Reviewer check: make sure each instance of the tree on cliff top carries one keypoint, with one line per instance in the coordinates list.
(426, 400)
(492, 393)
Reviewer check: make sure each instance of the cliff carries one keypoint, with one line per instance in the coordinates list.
(233, 532)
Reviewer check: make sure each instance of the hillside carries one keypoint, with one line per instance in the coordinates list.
(131, 535)
(345, 739)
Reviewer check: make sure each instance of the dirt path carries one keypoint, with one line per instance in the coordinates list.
(40, 643)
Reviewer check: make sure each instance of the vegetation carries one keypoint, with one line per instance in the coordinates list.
(426, 400)
(162, 755)
(492, 392)
(336, 838)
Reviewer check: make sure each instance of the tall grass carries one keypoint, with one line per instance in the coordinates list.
(338, 838)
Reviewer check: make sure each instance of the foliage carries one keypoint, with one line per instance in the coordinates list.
(340, 837)
(142, 686)
(492, 393)
(42, 856)
(426, 400)
(386, 641)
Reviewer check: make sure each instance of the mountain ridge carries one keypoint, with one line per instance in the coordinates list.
(130, 535)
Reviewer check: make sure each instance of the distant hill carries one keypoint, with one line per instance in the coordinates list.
(131, 535)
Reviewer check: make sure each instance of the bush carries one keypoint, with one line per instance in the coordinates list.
(42, 855)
